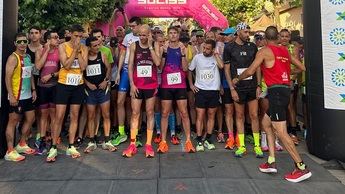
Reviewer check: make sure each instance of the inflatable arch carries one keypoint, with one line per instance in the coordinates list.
(201, 11)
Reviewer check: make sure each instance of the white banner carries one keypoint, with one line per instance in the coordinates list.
(333, 49)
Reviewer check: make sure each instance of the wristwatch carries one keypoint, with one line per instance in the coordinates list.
(52, 74)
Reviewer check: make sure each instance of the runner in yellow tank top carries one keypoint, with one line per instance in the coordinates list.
(70, 89)
(21, 95)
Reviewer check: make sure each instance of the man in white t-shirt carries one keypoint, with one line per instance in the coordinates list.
(122, 78)
(206, 89)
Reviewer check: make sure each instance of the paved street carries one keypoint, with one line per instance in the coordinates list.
(176, 172)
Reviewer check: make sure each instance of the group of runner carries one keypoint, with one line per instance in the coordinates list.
(194, 79)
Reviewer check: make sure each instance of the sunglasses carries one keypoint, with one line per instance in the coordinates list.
(118, 29)
(22, 41)
(55, 37)
(199, 36)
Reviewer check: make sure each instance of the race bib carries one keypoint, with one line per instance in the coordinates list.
(206, 75)
(73, 79)
(75, 64)
(174, 78)
(241, 70)
(26, 72)
(144, 71)
(93, 70)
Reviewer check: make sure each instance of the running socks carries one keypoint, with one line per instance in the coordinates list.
(263, 139)
(171, 123)
(256, 139)
(133, 141)
(241, 138)
(199, 139)
(106, 138)
(208, 136)
(158, 122)
(149, 134)
(301, 165)
(271, 159)
(121, 129)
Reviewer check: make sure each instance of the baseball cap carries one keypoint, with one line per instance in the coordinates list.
(228, 31)
(199, 33)
(242, 26)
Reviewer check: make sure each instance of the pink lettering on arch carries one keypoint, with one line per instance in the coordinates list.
(200, 10)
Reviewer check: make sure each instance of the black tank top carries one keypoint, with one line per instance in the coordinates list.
(32, 55)
(96, 70)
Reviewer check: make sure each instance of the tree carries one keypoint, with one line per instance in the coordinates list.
(58, 14)
(245, 10)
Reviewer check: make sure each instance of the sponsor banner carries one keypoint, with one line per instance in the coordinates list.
(333, 52)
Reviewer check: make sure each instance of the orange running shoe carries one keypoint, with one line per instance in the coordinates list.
(230, 143)
(149, 153)
(174, 140)
(130, 151)
(158, 139)
(163, 147)
(189, 148)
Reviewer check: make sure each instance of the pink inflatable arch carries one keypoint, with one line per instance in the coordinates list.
(200, 10)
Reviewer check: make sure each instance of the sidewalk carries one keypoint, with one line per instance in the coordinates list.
(176, 172)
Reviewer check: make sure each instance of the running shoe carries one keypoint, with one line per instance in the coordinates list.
(24, 149)
(108, 146)
(163, 147)
(240, 152)
(14, 156)
(200, 147)
(294, 139)
(189, 148)
(220, 137)
(279, 147)
(78, 142)
(138, 143)
(41, 148)
(268, 168)
(157, 139)
(230, 143)
(130, 151)
(91, 146)
(298, 175)
(52, 155)
(38, 142)
(149, 153)
(258, 152)
(209, 145)
(119, 139)
(72, 151)
(264, 148)
(174, 140)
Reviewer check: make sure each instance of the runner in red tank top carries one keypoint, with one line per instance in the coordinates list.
(142, 72)
(275, 61)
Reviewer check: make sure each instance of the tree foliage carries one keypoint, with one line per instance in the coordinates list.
(245, 10)
(62, 13)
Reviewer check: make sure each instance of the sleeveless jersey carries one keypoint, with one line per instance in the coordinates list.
(21, 78)
(96, 70)
(74, 75)
(50, 66)
(144, 70)
(279, 73)
(173, 75)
